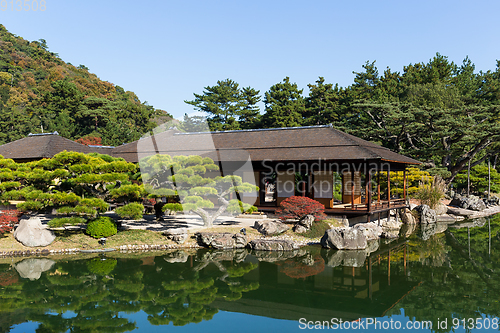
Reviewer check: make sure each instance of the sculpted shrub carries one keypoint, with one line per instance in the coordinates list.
(101, 227)
(297, 207)
(131, 211)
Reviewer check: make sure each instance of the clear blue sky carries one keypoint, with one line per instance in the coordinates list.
(165, 51)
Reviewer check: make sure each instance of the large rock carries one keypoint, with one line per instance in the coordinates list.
(371, 230)
(344, 239)
(270, 228)
(272, 245)
(441, 209)
(33, 268)
(304, 224)
(32, 233)
(178, 235)
(224, 240)
(407, 217)
(425, 214)
(472, 202)
(492, 201)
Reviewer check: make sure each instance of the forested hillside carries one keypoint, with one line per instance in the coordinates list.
(39, 91)
(440, 113)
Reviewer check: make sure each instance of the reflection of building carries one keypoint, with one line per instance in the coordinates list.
(346, 174)
(347, 293)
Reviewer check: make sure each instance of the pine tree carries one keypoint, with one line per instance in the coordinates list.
(285, 105)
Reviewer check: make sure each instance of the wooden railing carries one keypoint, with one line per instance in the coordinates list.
(375, 206)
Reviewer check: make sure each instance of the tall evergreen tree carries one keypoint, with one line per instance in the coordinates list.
(323, 105)
(285, 105)
(227, 106)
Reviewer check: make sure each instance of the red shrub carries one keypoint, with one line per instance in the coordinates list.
(297, 207)
(90, 140)
(8, 218)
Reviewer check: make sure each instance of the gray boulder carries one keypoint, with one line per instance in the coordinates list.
(223, 240)
(33, 268)
(272, 245)
(492, 201)
(178, 235)
(407, 217)
(441, 209)
(344, 239)
(304, 224)
(371, 230)
(270, 228)
(472, 202)
(32, 233)
(425, 214)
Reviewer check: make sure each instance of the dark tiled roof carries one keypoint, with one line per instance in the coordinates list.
(40, 146)
(283, 144)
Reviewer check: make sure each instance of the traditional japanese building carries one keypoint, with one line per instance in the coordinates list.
(348, 175)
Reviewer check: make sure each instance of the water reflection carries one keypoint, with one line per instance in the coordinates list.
(429, 273)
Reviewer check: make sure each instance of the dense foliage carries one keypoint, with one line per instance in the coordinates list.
(39, 91)
(195, 184)
(103, 226)
(131, 211)
(296, 207)
(73, 184)
(440, 113)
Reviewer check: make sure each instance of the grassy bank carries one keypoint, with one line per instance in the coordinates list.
(80, 241)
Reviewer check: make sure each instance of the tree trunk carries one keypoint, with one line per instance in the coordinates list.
(208, 220)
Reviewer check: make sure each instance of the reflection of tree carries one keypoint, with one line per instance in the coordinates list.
(96, 290)
(455, 284)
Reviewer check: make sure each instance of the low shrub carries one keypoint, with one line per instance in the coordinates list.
(297, 207)
(431, 194)
(318, 229)
(101, 227)
(131, 211)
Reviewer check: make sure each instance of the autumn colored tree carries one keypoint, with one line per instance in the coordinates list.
(296, 207)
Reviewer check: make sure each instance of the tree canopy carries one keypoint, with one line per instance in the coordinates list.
(195, 184)
(40, 92)
(441, 113)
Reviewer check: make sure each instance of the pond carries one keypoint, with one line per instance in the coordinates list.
(438, 278)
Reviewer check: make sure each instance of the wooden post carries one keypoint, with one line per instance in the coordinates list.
(369, 191)
(378, 187)
(352, 189)
(404, 184)
(388, 188)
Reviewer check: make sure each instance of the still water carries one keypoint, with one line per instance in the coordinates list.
(438, 278)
